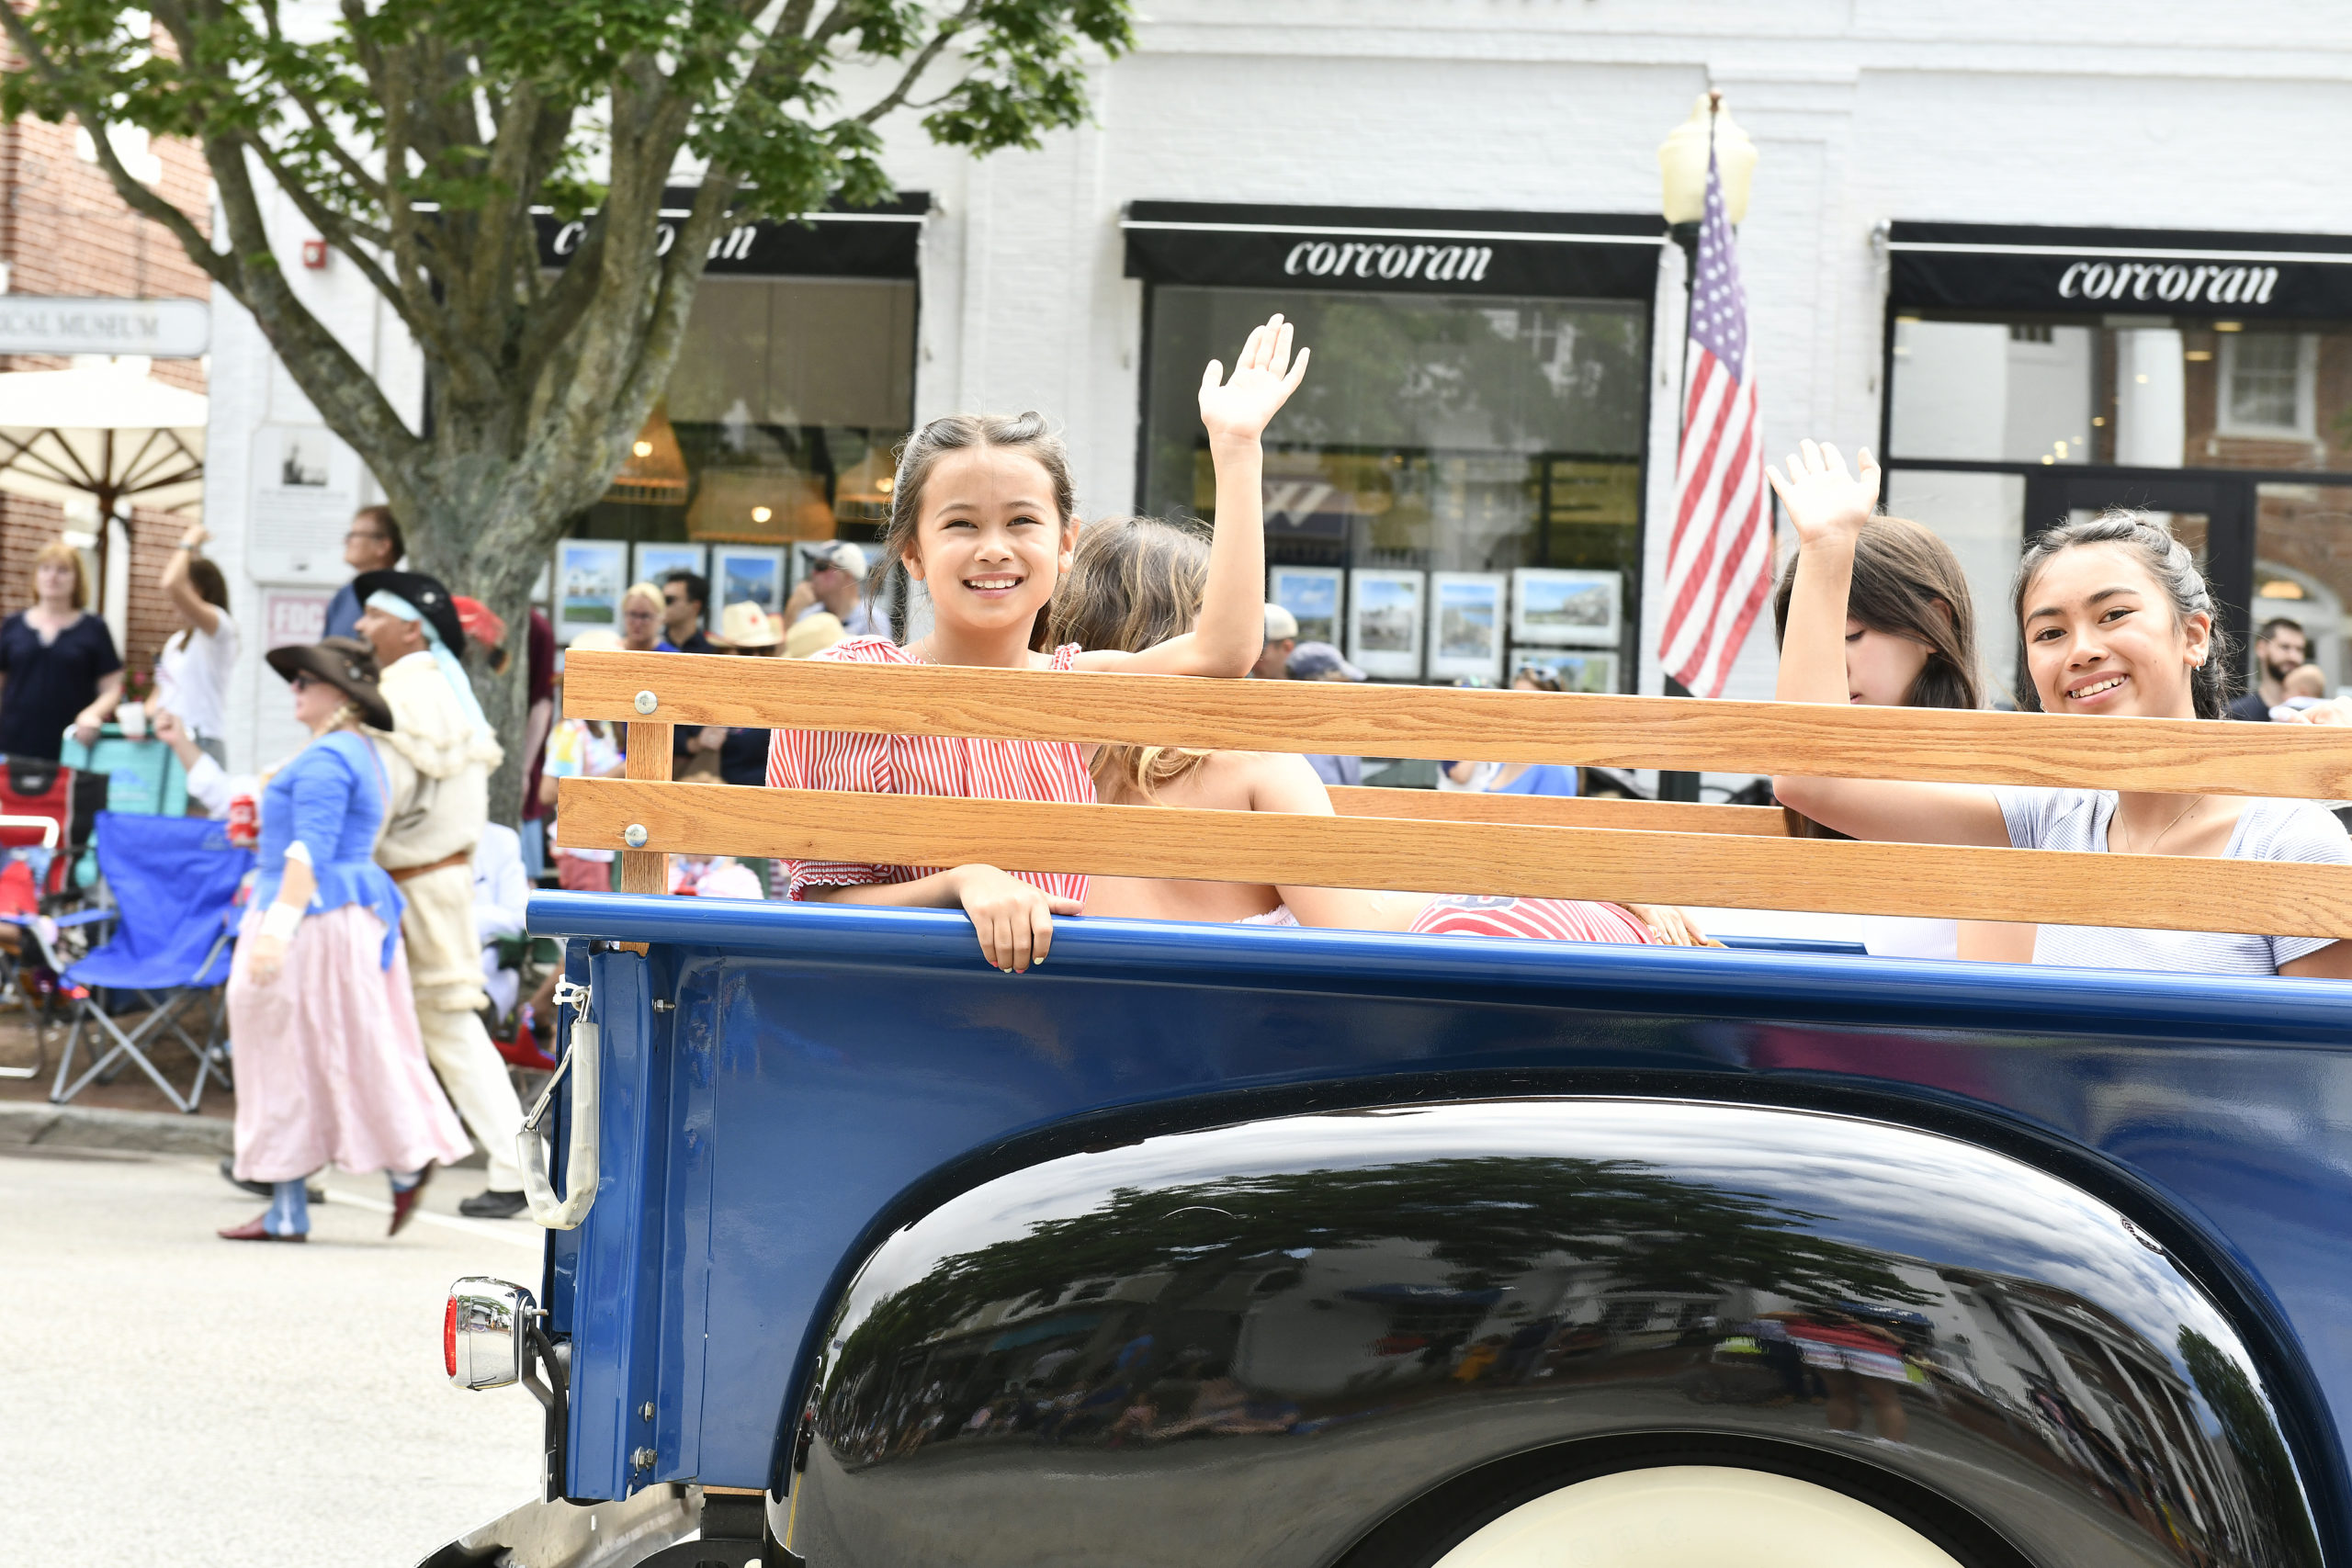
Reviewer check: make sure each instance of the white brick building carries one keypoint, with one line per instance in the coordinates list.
(2175, 121)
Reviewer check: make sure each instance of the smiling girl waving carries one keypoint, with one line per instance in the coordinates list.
(983, 514)
(2116, 619)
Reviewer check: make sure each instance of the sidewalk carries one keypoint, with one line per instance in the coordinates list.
(130, 1113)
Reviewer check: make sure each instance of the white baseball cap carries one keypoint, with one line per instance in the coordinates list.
(841, 554)
(1280, 625)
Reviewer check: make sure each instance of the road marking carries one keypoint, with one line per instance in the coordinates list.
(338, 1194)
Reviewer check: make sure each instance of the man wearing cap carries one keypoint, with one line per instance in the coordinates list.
(1321, 661)
(836, 581)
(437, 757)
(1282, 636)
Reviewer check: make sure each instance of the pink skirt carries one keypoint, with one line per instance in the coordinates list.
(330, 1067)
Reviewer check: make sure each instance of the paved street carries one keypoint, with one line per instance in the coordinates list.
(170, 1400)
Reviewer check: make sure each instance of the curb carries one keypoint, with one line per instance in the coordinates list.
(146, 1131)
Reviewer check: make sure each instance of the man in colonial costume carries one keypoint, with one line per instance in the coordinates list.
(438, 755)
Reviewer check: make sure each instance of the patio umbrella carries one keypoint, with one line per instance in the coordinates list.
(116, 436)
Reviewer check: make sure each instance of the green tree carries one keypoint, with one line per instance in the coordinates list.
(417, 136)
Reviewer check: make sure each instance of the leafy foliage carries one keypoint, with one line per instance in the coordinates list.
(420, 138)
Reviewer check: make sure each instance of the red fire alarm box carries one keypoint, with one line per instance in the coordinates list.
(314, 253)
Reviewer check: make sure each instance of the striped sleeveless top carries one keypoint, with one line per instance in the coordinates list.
(925, 764)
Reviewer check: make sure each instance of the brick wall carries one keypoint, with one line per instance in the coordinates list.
(64, 231)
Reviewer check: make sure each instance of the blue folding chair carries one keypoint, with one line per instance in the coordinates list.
(174, 885)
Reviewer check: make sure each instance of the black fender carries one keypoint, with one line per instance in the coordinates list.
(1353, 1336)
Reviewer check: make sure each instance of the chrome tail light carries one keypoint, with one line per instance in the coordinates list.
(485, 1333)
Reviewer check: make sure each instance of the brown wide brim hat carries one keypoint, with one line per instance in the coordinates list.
(346, 664)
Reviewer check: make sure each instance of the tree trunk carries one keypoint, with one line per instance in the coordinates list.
(494, 559)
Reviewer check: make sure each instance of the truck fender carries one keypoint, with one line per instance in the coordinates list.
(1361, 1336)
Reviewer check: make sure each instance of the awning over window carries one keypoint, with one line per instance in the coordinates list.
(883, 240)
(1401, 250)
(2164, 272)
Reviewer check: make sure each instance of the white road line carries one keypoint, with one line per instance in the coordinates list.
(535, 1241)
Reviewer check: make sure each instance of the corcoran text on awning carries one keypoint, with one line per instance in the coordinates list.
(1986, 266)
(1395, 250)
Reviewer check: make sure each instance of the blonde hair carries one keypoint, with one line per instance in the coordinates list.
(58, 550)
(1133, 582)
(646, 591)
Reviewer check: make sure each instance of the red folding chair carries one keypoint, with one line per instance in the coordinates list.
(46, 813)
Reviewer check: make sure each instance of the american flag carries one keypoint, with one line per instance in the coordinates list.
(1719, 564)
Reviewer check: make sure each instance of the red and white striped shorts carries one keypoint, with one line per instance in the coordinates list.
(1549, 919)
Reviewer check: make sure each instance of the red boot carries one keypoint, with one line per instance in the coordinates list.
(405, 1203)
(258, 1229)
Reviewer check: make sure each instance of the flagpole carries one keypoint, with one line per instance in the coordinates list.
(1684, 786)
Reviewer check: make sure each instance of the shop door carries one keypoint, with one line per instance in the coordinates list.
(2212, 515)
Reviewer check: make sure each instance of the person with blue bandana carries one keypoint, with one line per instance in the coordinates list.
(438, 755)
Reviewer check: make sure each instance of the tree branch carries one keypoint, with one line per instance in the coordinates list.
(921, 63)
(355, 172)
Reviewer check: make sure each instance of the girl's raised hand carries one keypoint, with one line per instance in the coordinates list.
(1824, 503)
(1263, 379)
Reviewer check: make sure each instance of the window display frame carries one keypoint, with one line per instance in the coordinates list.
(1486, 666)
(1382, 663)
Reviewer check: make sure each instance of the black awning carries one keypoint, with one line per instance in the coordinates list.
(883, 240)
(1395, 249)
(2168, 272)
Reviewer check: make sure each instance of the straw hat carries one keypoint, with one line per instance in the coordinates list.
(813, 634)
(745, 625)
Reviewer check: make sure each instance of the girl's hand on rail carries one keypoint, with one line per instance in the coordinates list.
(1672, 927)
(1013, 919)
(1825, 504)
(1263, 379)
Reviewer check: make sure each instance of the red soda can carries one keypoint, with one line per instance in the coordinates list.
(245, 821)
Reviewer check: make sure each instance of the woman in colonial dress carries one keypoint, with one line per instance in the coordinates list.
(330, 1069)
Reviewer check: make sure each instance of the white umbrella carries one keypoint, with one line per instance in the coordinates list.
(114, 434)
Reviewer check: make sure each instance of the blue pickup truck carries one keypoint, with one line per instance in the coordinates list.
(1236, 1246)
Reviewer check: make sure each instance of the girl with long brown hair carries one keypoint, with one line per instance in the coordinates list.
(984, 516)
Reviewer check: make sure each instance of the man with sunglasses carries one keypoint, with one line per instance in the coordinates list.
(373, 544)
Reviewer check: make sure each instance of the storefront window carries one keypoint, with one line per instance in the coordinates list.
(2303, 568)
(786, 399)
(1434, 433)
(2139, 392)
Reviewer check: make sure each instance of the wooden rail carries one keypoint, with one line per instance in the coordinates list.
(2179, 756)
(1548, 811)
(1737, 870)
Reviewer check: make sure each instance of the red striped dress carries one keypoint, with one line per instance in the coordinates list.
(925, 764)
(1549, 919)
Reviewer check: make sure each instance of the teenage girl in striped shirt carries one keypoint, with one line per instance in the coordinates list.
(983, 514)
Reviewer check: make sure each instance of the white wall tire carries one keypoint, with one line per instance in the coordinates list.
(1696, 1515)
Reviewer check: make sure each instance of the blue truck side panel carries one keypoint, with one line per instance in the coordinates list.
(825, 1061)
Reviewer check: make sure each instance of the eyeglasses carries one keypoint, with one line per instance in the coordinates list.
(303, 680)
(362, 534)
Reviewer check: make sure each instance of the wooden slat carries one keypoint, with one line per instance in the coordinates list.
(2183, 893)
(646, 871)
(1656, 816)
(2298, 762)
